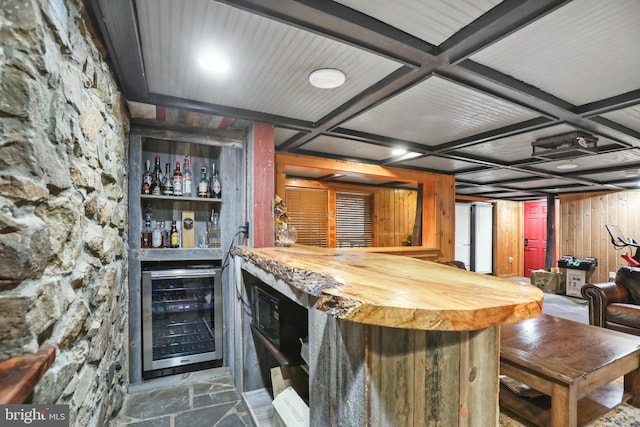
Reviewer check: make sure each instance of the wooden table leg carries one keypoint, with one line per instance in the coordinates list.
(632, 385)
(564, 406)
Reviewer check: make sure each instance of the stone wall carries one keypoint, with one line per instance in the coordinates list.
(63, 206)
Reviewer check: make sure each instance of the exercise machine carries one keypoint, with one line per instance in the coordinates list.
(620, 242)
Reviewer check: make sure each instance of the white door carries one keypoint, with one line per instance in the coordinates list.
(482, 217)
(463, 234)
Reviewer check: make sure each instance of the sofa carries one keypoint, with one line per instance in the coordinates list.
(616, 305)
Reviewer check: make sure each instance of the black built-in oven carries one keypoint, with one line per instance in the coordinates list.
(282, 321)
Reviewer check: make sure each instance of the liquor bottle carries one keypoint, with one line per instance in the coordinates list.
(175, 236)
(166, 233)
(167, 181)
(156, 184)
(157, 235)
(177, 180)
(147, 178)
(187, 179)
(145, 239)
(215, 187)
(203, 185)
(213, 230)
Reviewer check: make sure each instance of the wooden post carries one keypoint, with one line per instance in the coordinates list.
(416, 237)
(551, 233)
(261, 167)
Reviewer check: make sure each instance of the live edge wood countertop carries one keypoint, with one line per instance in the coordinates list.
(397, 291)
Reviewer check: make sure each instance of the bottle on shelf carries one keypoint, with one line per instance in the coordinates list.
(156, 183)
(146, 235)
(177, 180)
(215, 186)
(166, 233)
(187, 179)
(203, 185)
(167, 181)
(157, 235)
(147, 178)
(213, 230)
(175, 236)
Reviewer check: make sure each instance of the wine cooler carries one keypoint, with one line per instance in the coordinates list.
(181, 318)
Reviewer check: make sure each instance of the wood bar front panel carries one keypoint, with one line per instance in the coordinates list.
(372, 375)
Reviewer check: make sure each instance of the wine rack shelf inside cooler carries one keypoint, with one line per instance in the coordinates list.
(178, 339)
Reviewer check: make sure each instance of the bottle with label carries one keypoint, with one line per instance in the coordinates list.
(213, 230)
(157, 235)
(177, 180)
(156, 183)
(167, 181)
(187, 179)
(203, 185)
(215, 186)
(147, 178)
(145, 239)
(174, 236)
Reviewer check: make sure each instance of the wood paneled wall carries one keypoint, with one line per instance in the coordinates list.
(394, 212)
(508, 256)
(438, 198)
(582, 227)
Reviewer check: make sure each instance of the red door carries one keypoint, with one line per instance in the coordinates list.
(535, 236)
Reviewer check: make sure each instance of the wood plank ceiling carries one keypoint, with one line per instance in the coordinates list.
(466, 86)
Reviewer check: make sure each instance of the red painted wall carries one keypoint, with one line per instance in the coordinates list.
(263, 184)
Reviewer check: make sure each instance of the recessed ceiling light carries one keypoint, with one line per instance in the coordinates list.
(214, 63)
(398, 151)
(566, 166)
(327, 78)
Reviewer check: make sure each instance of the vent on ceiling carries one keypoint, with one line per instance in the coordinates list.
(567, 145)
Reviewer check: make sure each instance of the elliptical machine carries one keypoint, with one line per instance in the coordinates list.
(620, 242)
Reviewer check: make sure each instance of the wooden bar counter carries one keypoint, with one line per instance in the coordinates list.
(395, 340)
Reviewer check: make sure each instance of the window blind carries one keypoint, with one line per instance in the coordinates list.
(307, 212)
(354, 212)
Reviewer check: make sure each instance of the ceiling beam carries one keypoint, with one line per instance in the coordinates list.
(117, 21)
(603, 106)
(339, 22)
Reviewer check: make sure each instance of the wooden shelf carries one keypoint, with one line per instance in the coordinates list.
(259, 404)
(179, 254)
(180, 198)
(537, 410)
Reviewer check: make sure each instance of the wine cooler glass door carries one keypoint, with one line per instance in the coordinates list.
(181, 317)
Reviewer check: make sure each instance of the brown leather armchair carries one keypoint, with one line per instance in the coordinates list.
(616, 305)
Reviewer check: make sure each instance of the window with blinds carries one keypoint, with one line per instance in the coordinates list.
(354, 212)
(307, 212)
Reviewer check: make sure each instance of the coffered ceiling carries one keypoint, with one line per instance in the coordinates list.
(464, 86)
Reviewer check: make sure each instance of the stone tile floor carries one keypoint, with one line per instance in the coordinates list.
(201, 399)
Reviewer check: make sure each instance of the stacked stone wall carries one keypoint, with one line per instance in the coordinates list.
(63, 206)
